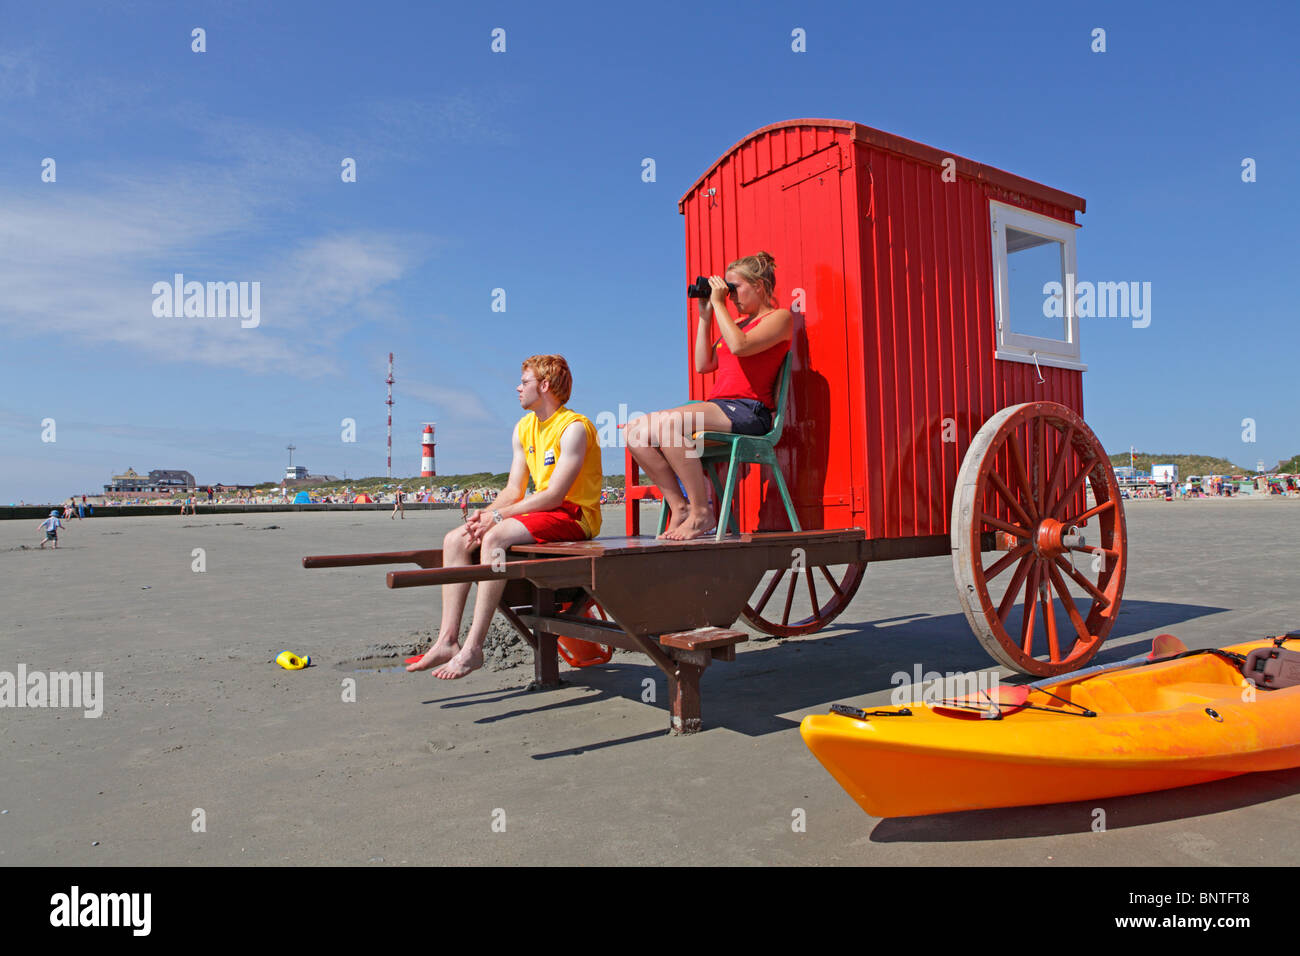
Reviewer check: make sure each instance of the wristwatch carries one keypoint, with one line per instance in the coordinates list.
(496, 517)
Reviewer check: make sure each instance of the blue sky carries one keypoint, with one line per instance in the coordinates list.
(522, 170)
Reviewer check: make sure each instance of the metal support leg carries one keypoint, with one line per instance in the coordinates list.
(724, 517)
(733, 527)
(785, 497)
(631, 506)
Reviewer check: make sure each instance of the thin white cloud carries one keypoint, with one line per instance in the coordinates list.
(450, 403)
(83, 264)
(402, 129)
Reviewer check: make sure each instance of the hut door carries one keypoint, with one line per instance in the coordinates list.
(816, 446)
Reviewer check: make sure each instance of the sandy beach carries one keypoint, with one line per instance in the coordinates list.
(200, 726)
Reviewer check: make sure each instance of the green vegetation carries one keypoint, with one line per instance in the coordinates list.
(1187, 464)
(481, 479)
(1289, 467)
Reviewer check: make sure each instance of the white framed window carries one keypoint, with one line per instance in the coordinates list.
(1034, 276)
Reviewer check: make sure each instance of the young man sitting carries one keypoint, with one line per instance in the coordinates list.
(558, 448)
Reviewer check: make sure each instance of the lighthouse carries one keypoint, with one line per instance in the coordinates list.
(427, 469)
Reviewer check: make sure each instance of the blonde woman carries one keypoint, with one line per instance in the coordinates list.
(747, 355)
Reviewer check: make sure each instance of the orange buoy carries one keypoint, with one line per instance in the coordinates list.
(577, 652)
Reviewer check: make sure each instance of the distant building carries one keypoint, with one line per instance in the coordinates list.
(1164, 474)
(295, 473)
(175, 480)
(159, 483)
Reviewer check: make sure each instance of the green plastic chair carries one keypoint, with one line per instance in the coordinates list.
(740, 450)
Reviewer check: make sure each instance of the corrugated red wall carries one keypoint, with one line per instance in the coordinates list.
(894, 346)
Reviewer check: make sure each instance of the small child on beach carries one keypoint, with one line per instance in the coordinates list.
(51, 526)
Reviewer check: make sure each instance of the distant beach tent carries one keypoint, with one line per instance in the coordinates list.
(302, 498)
(363, 500)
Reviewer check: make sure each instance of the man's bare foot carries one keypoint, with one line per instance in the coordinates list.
(679, 515)
(459, 666)
(438, 654)
(692, 527)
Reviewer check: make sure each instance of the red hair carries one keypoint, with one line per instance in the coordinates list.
(554, 370)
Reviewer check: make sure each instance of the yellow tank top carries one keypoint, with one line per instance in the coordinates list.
(541, 444)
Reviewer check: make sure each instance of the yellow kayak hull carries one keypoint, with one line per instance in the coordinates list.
(1154, 730)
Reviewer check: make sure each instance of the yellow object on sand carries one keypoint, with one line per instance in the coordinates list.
(292, 662)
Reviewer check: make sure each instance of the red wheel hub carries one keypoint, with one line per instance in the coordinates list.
(1047, 541)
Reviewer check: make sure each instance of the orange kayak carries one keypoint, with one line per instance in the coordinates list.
(1152, 726)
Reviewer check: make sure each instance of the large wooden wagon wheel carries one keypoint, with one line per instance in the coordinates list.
(780, 595)
(1066, 578)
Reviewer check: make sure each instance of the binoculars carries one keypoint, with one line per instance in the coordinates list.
(700, 288)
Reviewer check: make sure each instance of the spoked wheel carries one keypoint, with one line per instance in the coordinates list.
(1025, 478)
(813, 596)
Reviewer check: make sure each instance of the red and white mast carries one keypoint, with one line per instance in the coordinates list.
(389, 403)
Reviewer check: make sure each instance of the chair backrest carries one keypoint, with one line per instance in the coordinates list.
(782, 394)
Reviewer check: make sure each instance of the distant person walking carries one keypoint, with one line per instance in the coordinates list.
(397, 504)
(51, 526)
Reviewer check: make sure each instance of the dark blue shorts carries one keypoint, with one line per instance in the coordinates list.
(748, 416)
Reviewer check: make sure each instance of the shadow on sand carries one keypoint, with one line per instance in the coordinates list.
(750, 695)
(1058, 819)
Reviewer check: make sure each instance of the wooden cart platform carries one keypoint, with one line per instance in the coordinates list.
(674, 601)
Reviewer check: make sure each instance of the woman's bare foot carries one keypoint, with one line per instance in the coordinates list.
(679, 516)
(459, 666)
(692, 527)
(438, 654)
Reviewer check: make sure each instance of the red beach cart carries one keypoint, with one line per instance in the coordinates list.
(934, 407)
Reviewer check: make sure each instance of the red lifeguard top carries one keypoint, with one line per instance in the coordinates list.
(749, 376)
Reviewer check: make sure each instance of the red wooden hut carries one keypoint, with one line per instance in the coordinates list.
(914, 275)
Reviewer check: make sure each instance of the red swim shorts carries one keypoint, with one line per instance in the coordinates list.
(559, 524)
